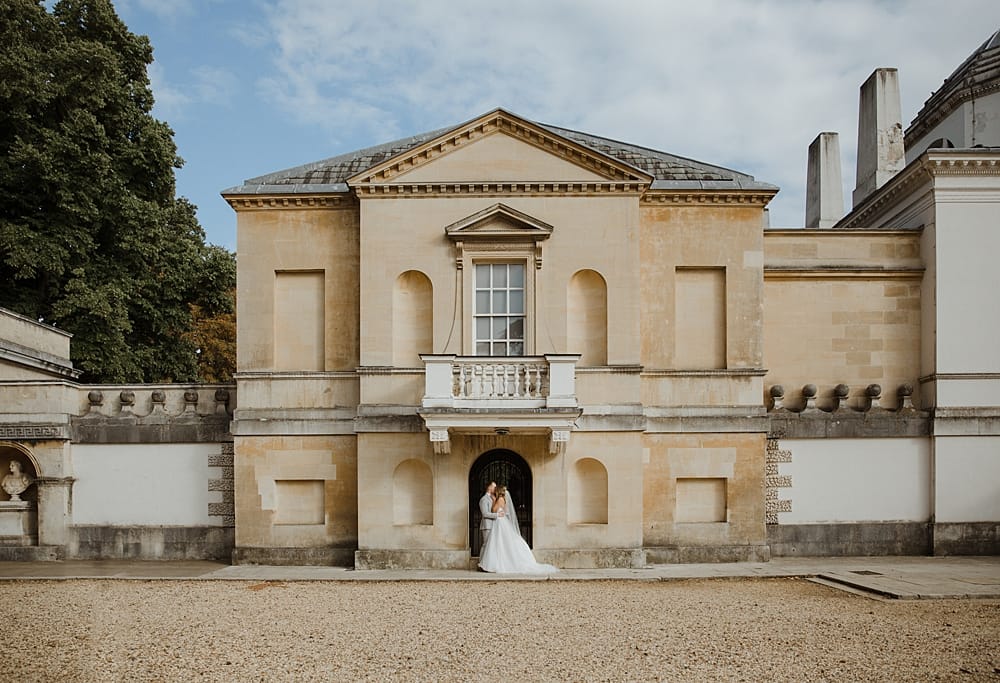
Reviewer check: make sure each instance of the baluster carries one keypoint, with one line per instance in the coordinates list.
(538, 381)
(517, 381)
(461, 381)
(527, 381)
(497, 388)
(477, 381)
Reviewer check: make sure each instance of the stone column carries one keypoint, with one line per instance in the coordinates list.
(880, 133)
(824, 188)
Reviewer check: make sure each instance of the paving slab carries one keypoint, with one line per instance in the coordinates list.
(892, 577)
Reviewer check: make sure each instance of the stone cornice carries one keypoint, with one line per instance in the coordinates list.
(500, 121)
(710, 372)
(835, 271)
(37, 360)
(923, 169)
(497, 189)
(964, 164)
(756, 198)
(826, 232)
(341, 200)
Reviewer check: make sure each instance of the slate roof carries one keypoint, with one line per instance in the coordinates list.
(976, 76)
(669, 171)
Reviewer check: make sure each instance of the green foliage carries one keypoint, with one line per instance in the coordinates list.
(92, 238)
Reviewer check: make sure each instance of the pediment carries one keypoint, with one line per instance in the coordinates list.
(499, 223)
(500, 147)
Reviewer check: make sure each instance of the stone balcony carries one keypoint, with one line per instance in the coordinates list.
(476, 394)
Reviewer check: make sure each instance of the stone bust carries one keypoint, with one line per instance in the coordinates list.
(16, 482)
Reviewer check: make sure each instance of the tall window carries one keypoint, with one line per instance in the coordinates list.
(499, 314)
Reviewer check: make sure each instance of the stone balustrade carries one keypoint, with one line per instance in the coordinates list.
(479, 382)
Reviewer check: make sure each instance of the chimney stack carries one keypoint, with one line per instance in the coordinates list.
(824, 188)
(880, 133)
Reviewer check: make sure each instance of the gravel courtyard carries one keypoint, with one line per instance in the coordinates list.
(505, 631)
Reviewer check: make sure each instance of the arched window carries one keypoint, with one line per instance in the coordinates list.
(412, 493)
(587, 318)
(588, 499)
(412, 319)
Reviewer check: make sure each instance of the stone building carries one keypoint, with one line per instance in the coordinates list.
(612, 331)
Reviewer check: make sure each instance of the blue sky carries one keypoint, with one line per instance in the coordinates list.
(254, 86)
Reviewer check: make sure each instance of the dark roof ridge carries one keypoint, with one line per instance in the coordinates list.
(647, 149)
(669, 171)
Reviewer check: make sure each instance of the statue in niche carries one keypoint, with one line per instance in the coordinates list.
(16, 482)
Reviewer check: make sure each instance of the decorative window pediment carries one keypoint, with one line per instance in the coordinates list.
(498, 230)
(499, 223)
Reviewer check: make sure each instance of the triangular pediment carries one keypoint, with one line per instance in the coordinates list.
(500, 147)
(499, 223)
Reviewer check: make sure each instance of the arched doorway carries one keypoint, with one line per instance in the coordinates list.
(507, 468)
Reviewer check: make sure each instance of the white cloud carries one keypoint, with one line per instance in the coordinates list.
(214, 85)
(168, 9)
(169, 101)
(740, 84)
(204, 85)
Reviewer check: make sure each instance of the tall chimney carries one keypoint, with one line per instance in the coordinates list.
(824, 188)
(880, 133)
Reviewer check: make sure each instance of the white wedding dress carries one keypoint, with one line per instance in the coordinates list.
(505, 552)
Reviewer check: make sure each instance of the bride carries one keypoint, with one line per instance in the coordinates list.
(505, 551)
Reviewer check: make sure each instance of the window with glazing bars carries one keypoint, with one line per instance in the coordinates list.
(499, 309)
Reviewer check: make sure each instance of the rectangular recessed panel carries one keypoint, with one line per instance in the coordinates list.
(701, 499)
(299, 321)
(300, 502)
(700, 318)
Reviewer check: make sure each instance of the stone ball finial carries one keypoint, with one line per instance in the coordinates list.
(127, 398)
(777, 391)
(222, 395)
(905, 389)
(809, 390)
(873, 390)
(841, 391)
(190, 396)
(95, 397)
(159, 396)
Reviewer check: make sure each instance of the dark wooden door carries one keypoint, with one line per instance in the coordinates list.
(505, 468)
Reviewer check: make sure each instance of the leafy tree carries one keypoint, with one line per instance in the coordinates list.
(92, 237)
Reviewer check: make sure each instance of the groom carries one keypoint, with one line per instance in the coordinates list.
(486, 508)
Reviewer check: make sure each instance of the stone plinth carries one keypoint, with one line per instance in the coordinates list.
(18, 523)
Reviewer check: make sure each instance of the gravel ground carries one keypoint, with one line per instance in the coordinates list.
(701, 630)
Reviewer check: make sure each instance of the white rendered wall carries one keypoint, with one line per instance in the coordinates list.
(967, 478)
(143, 484)
(968, 240)
(856, 480)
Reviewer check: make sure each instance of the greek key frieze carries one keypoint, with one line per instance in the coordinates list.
(30, 432)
